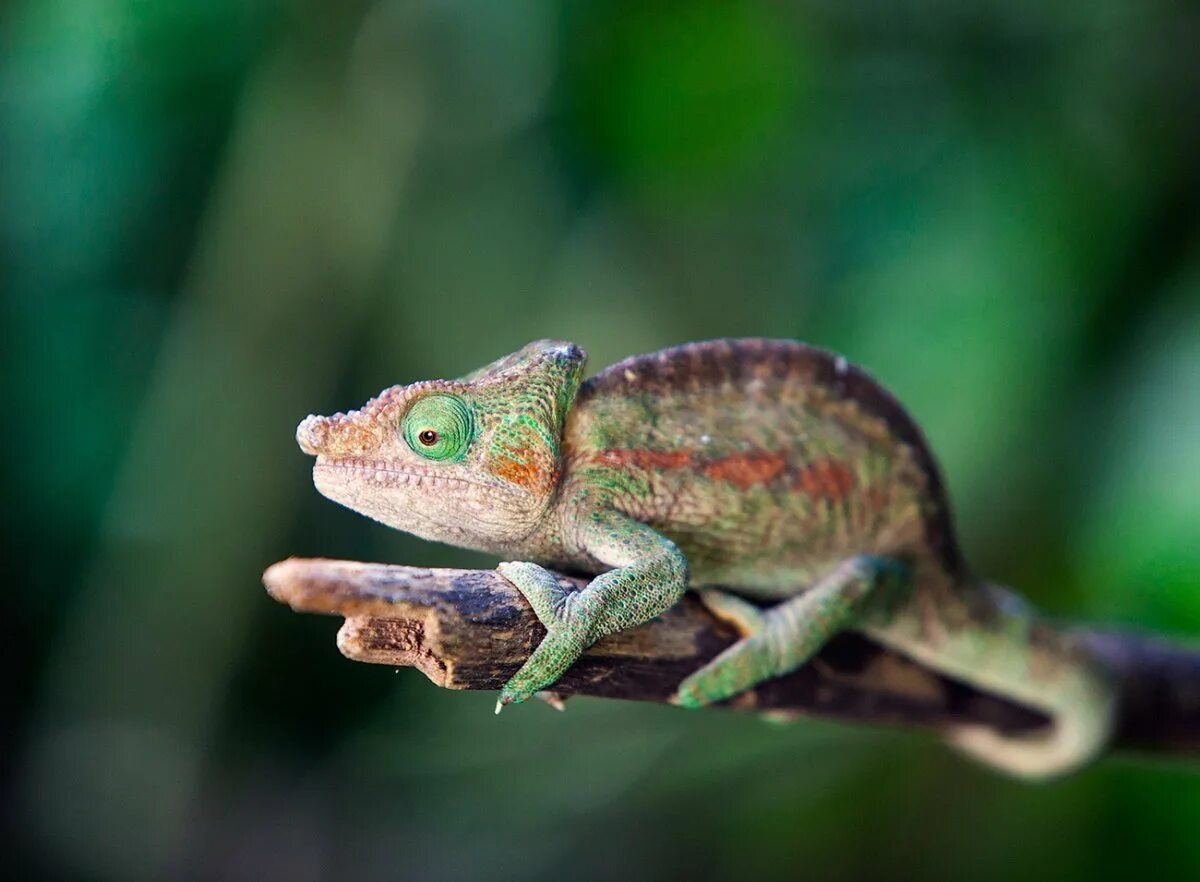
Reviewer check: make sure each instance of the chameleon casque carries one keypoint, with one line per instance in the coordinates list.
(782, 483)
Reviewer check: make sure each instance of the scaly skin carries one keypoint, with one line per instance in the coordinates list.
(768, 468)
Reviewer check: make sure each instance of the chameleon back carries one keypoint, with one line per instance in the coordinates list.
(766, 461)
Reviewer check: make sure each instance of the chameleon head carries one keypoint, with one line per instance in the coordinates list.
(473, 462)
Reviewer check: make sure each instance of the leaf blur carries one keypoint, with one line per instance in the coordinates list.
(218, 217)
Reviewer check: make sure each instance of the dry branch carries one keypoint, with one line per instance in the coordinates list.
(471, 629)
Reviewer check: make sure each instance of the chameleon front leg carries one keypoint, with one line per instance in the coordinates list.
(784, 637)
(650, 575)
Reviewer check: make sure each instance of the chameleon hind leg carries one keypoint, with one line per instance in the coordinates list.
(784, 637)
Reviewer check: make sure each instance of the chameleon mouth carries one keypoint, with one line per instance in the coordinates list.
(369, 468)
(384, 473)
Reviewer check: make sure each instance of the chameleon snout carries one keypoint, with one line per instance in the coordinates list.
(313, 434)
(337, 436)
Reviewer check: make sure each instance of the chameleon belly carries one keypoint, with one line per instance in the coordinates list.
(766, 462)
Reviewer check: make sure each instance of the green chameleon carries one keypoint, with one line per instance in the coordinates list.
(756, 472)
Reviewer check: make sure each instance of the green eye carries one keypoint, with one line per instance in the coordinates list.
(438, 427)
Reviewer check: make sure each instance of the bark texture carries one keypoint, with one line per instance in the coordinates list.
(471, 629)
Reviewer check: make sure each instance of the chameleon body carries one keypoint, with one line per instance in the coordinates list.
(785, 485)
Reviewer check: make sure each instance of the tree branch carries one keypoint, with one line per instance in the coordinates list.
(471, 629)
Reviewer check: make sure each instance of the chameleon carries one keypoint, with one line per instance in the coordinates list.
(784, 485)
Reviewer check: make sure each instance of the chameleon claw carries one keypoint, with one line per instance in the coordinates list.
(687, 696)
(507, 697)
(552, 698)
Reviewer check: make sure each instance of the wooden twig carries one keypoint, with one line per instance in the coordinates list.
(471, 629)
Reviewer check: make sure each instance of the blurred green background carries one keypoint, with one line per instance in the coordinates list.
(219, 216)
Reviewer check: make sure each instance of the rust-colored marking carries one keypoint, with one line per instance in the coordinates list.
(521, 466)
(745, 470)
(645, 459)
(828, 479)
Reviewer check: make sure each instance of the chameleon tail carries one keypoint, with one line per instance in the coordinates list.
(1078, 696)
(1003, 647)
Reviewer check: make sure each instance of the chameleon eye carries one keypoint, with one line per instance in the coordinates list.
(438, 427)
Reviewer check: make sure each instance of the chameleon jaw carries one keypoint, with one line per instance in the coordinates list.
(383, 473)
(410, 500)
(441, 507)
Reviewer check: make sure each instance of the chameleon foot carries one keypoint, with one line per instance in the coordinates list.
(567, 630)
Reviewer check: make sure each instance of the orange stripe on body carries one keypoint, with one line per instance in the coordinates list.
(645, 459)
(745, 470)
(828, 479)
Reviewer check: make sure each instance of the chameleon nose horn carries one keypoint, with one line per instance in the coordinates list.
(312, 434)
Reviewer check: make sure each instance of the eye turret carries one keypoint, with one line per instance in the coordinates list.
(438, 427)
